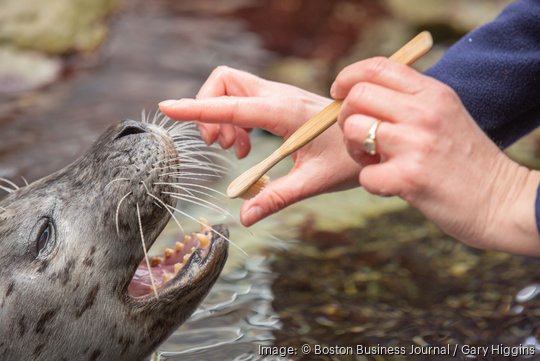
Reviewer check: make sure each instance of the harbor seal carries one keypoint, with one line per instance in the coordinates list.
(74, 280)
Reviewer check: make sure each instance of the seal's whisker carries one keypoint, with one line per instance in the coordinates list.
(185, 127)
(168, 126)
(25, 181)
(118, 212)
(10, 183)
(202, 174)
(184, 156)
(189, 175)
(187, 185)
(174, 126)
(186, 161)
(163, 123)
(166, 207)
(199, 202)
(154, 118)
(143, 116)
(188, 178)
(190, 163)
(189, 137)
(162, 119)
(192, 166)
(116, 180)
(7, 190)
(196, 149)
(186, 133)
(158, 117)
(157, 204)
(191, 191)
(207, 154)
(201, 167)
(146, 253)
(187, 156)
(196, 176)
(182, 140)
(211, 229)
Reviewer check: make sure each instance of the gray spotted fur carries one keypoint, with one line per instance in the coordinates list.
(73, 304)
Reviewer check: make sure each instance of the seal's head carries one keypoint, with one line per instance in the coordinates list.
(74, 284)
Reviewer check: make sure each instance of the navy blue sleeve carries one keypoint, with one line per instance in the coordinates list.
(495, 70)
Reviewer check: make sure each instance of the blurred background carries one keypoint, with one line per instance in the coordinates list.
(341, 269)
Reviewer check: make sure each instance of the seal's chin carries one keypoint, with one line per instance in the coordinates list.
(194, 253)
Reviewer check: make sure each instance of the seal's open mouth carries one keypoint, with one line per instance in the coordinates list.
(166, 165)
(170, 266)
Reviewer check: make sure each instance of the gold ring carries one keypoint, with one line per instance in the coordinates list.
(369, 142)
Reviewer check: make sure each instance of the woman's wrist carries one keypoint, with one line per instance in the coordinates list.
(513, 227)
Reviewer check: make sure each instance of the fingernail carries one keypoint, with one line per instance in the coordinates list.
(238, 148)
(167, 103)
(252, 215)
(204, 134)
(333, 90)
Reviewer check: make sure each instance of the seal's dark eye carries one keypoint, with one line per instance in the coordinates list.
(44, 237)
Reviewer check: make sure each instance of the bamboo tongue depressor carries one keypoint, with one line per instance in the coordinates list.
(408, 54)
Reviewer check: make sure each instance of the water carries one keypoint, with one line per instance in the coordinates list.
(234, 319)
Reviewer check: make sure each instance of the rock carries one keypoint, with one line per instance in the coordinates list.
(22, 70)
(463, 15)
(55, 26)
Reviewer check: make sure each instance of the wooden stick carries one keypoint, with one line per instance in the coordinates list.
(408, 54)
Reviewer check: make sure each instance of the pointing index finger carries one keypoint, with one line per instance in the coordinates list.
(245, 112)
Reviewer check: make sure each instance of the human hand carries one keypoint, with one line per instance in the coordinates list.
(232, 100)
(435, 157)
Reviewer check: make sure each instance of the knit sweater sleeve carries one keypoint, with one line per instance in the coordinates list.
(495, 70)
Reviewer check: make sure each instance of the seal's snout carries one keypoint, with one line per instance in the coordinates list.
(130, 127)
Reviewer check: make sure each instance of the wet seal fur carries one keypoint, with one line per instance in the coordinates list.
(64, 269)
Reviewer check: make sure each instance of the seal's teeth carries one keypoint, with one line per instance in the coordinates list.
(167, 277)
(168, 252)
(179, 247)
(204, 241)
(187, 238)
(204, 223)
(177, 267)
(186, 257)
(193, 249)
(155, 261)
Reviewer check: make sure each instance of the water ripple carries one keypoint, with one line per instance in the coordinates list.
(235, 318)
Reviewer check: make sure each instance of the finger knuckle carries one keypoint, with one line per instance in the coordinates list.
(430, 118)
(221, 71)
(276, 201)
(445, 94)
(375, 66)
(358, 91)
(426, 146)
(413, 177)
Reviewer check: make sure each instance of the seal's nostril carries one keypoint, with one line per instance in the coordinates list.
(130, 130)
